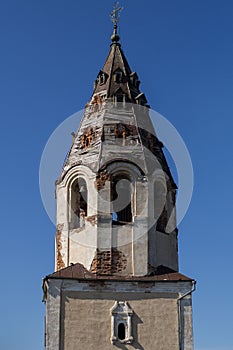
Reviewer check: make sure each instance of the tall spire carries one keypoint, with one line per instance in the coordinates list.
(115, 16)
(116, 80)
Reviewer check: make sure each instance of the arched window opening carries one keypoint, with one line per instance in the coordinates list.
(118, 76)
(121, 331)
(121, 196)
(121, 323)
(134, 81)
(102, 78)
(79, 196)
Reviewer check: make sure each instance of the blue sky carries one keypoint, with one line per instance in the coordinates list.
(51, 52)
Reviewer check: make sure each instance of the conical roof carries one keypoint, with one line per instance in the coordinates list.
(116, 76)
(116, 124)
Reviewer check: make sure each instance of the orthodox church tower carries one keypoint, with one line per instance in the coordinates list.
(116, 283)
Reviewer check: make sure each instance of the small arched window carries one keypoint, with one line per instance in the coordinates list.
(118, 76)
(121, 196)
(102, 78)
(121, 323)
(134, 80)
(78, 207)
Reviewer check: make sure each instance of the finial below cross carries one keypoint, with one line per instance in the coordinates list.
(115, 15)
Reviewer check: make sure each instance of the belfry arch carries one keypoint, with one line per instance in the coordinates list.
(78, 204)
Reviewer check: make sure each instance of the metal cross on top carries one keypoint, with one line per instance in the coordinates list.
(115, 15)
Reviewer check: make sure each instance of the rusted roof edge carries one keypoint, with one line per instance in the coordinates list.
(133, 279)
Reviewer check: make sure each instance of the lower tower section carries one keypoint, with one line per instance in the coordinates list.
(85, 311)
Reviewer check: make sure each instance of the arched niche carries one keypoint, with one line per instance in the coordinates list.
(78, 203)
(121, 323)
(122, 199)
(123, 178)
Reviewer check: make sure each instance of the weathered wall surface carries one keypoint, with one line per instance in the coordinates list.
(87, 321)
(79, 314)
(52, 324)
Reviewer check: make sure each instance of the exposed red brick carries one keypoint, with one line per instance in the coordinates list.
(101, 179)
(108, 262)
(59, 261)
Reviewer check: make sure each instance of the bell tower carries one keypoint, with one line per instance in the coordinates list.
(116, 194)
(116, 239)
